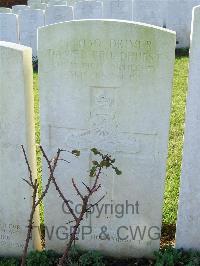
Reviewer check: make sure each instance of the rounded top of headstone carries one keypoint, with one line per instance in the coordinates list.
(5, 10)
(196, 9)
(15, 46)
(110, 22)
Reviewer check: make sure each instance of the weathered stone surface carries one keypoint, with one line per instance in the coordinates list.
(42, 6)
(29, 21)
(17, 128)
(57, 2)
(188, 224)
(107, 84)
(33, 2)
(117, 9)
(151, 12)
(5, 10)
(17, 8)
(178, 18)
(58, 13)
(88, 10)
(9, 29)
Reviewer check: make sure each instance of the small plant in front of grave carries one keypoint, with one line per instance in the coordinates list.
(43, 258)
(170, 256)
(105, 161)
(91, 258)
(9, 262)
(34, 185)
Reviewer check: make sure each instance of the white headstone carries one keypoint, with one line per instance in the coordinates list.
(29, 21)
(117, 9)
(88, 10)
(17, 128)
(179, 15)
(55, 14)
(188, 224)
(42, 6)
(107, 84)
(57, 2)
(17, 8)
(71, 2)
(33, 1)
(5, 10)
(151, 12)
(9, 29)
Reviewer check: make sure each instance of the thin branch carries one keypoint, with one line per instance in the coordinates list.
(95, 204)
(77, 190)
(64, 199)
(56, 185)
(64, 160)
(52, 169)
(36, 201)
(27, 182)
(106, 162)
(28, 165)
(88, 189)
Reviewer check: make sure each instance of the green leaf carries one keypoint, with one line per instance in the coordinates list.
(95, 151)
(95, 163)
(104, 163)
(117, 171)
(112, 160)
(93, 171)
(76, 153)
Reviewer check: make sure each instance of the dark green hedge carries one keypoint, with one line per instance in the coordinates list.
(10, 3)
(165, 257)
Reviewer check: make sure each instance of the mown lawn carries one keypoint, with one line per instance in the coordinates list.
(175, 140)
(175, 143)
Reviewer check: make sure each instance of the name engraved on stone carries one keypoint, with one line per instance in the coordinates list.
(83, 59)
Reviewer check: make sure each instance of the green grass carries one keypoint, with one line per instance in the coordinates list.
(175, 143)
(37, 129)
(175, 140)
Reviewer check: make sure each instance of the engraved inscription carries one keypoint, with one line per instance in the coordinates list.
(8, 235)
(128, 143)
(103, 110)
(92, 59)
(103, 130)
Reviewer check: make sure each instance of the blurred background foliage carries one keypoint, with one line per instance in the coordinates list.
(10, 3)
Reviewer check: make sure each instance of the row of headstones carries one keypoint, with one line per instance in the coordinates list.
(103, 84)
(174, 15)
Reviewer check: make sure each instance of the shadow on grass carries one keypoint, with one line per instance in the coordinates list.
(180, 52)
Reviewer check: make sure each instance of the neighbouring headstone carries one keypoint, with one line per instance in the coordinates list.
(178, 18)
(17, 8)
(117, 9)
(58, 13)
(107, 84)
(29, 2)
(5, 10)
(188, 224)
(57, 2)
(17, 128)
(29, 21)
(88, 10)
(9, 29)
(151, 12)
(71, 2)
(42, 6)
